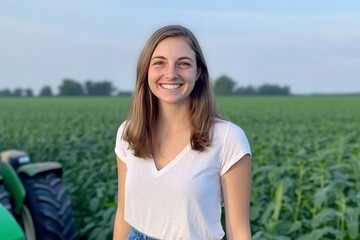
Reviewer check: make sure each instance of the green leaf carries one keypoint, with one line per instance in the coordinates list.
(318, 234)
(352, 222)
(321, 196)
(94, 204)
(295, 227)
(255, 212)
(324, 217)
(278, 200)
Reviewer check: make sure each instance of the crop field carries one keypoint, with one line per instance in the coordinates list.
(306, 159)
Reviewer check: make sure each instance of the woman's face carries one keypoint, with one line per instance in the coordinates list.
(172, 71)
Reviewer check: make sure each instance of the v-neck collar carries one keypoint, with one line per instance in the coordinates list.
(158, 173)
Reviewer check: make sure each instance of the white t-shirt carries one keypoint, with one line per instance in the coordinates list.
(183, 199)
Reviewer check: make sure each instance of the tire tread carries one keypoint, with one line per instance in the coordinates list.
(49, 206)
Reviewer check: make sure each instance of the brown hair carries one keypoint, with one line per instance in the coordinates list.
(140, 131)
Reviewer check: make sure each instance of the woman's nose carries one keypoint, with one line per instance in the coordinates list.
(171, 73)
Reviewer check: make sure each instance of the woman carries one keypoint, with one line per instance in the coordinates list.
(177, 160)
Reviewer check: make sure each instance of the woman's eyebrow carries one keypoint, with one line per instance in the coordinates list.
(186, 58)
(164, 58)
(160, 57)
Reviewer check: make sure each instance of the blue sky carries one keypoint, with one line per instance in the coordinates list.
(311, 46)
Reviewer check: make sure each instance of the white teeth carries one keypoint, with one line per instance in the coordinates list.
(170, 86)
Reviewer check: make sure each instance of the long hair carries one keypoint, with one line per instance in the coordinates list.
(140, 130)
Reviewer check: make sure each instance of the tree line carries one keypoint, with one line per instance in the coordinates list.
(223, 85)
(69, 87)
(226, 86)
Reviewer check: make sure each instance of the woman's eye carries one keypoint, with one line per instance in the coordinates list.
(158, 63)
(184, 64)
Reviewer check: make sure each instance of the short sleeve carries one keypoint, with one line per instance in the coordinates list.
(235, 147)
(121, 145)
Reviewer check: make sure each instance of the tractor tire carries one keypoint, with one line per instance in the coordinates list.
(47, 212)
(5, 197)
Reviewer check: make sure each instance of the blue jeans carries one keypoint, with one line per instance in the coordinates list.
(137, 235)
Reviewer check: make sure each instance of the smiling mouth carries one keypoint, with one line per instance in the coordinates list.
(170, 86)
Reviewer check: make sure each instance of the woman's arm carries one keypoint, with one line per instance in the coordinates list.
(121, 228)
(236, 188)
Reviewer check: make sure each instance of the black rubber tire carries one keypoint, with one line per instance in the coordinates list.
(5, 197)
(49, 207)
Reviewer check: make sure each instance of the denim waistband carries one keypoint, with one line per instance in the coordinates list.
(137, 235)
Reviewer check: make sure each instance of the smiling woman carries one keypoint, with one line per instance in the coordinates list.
(177, 159)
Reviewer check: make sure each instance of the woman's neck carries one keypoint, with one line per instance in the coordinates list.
(174, 117)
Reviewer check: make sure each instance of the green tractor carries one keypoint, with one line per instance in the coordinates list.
(33, 201)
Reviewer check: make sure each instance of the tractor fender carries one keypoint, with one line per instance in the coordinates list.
(13, 184)
(32, 169)
(10, 229)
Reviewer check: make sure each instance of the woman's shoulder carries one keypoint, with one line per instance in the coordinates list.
(228, 130)
(225, 125)
(122, 127)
